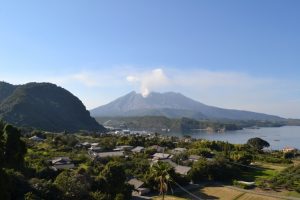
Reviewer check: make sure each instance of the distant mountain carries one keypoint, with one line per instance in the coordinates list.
(172, 105)
(44, 106)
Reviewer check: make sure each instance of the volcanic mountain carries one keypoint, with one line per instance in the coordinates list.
(172, 105)
(44, 106)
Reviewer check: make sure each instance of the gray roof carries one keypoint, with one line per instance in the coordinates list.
(36, 138)
(161, 155)
(138, 149)
(182, 170)
(194, 157)
(110, 154)
(136, 183)
(61, 160)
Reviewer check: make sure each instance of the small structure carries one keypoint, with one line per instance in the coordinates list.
(94, 144)
(289, 149)
(158, 148)
(123, 148)
(160, 156)
(62, 163)
(138, 186)
(126, 131)
(179, 150)
(86, 144)
(109, 154)
(36, 138)
(138, 149)
(95, 149)
(182, 170)
(194, 158)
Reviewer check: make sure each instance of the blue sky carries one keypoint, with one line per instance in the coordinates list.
(233, 54)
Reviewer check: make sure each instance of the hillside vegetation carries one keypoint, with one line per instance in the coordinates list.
(160, 123)
(44, 106)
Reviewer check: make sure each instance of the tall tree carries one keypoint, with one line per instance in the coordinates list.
(15, 148)
(2, 143)
(160, 172)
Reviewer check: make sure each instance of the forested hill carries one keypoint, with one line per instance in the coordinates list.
(44, 106)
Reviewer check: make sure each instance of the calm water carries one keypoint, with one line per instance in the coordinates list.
(277, 137)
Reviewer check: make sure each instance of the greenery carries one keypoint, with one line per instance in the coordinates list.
(162, 124)
(257, 143)
(287, 179)
(44, 106)
(26, 172)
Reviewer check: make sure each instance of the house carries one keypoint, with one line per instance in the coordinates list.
(179, 169)
(36, 139)
(194, 158)
(182, 170)
(123, 148)
(109, 154)
(179, 150)
(94, 144)
(62, 163)
(160, 156)
(95, 149)
(158, 148)
(138, 149)
(86, 144)
(289, 149)
(138, 187)
(126, 131)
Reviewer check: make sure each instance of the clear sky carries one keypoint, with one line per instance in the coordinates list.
(233, 54)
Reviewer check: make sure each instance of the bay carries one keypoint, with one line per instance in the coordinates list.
(278, 137)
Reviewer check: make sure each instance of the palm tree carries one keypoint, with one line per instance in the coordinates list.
(160, 172)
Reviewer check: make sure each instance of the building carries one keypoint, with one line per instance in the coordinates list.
(289, 149)
(158, 148)
(161, 156)
(86, 144)
(123, 148)
(36, 139)
(182, 170)
(179, 150)
(62, 163)
(138, 187)
(95, 149)
(109, 154)
(194, 158)
(138, 149)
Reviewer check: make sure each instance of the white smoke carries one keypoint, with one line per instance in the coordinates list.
(149, 81)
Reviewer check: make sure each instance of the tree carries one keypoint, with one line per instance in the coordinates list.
(15, 148)
(199, 170)
(112, 180)
(2, 143)
(72, 185)
(160, 172)
(257, 143)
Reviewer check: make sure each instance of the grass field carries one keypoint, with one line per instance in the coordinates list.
(266, 171)
(223, 193)
(169, 198)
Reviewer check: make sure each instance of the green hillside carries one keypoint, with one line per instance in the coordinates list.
(44, 106)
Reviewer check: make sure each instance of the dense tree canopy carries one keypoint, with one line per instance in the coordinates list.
(257, 143)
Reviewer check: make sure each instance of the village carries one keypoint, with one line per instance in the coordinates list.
(228, 162)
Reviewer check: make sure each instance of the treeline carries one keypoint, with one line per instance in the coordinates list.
(160, 124)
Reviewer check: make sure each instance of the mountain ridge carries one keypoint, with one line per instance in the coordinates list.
(173, 105)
